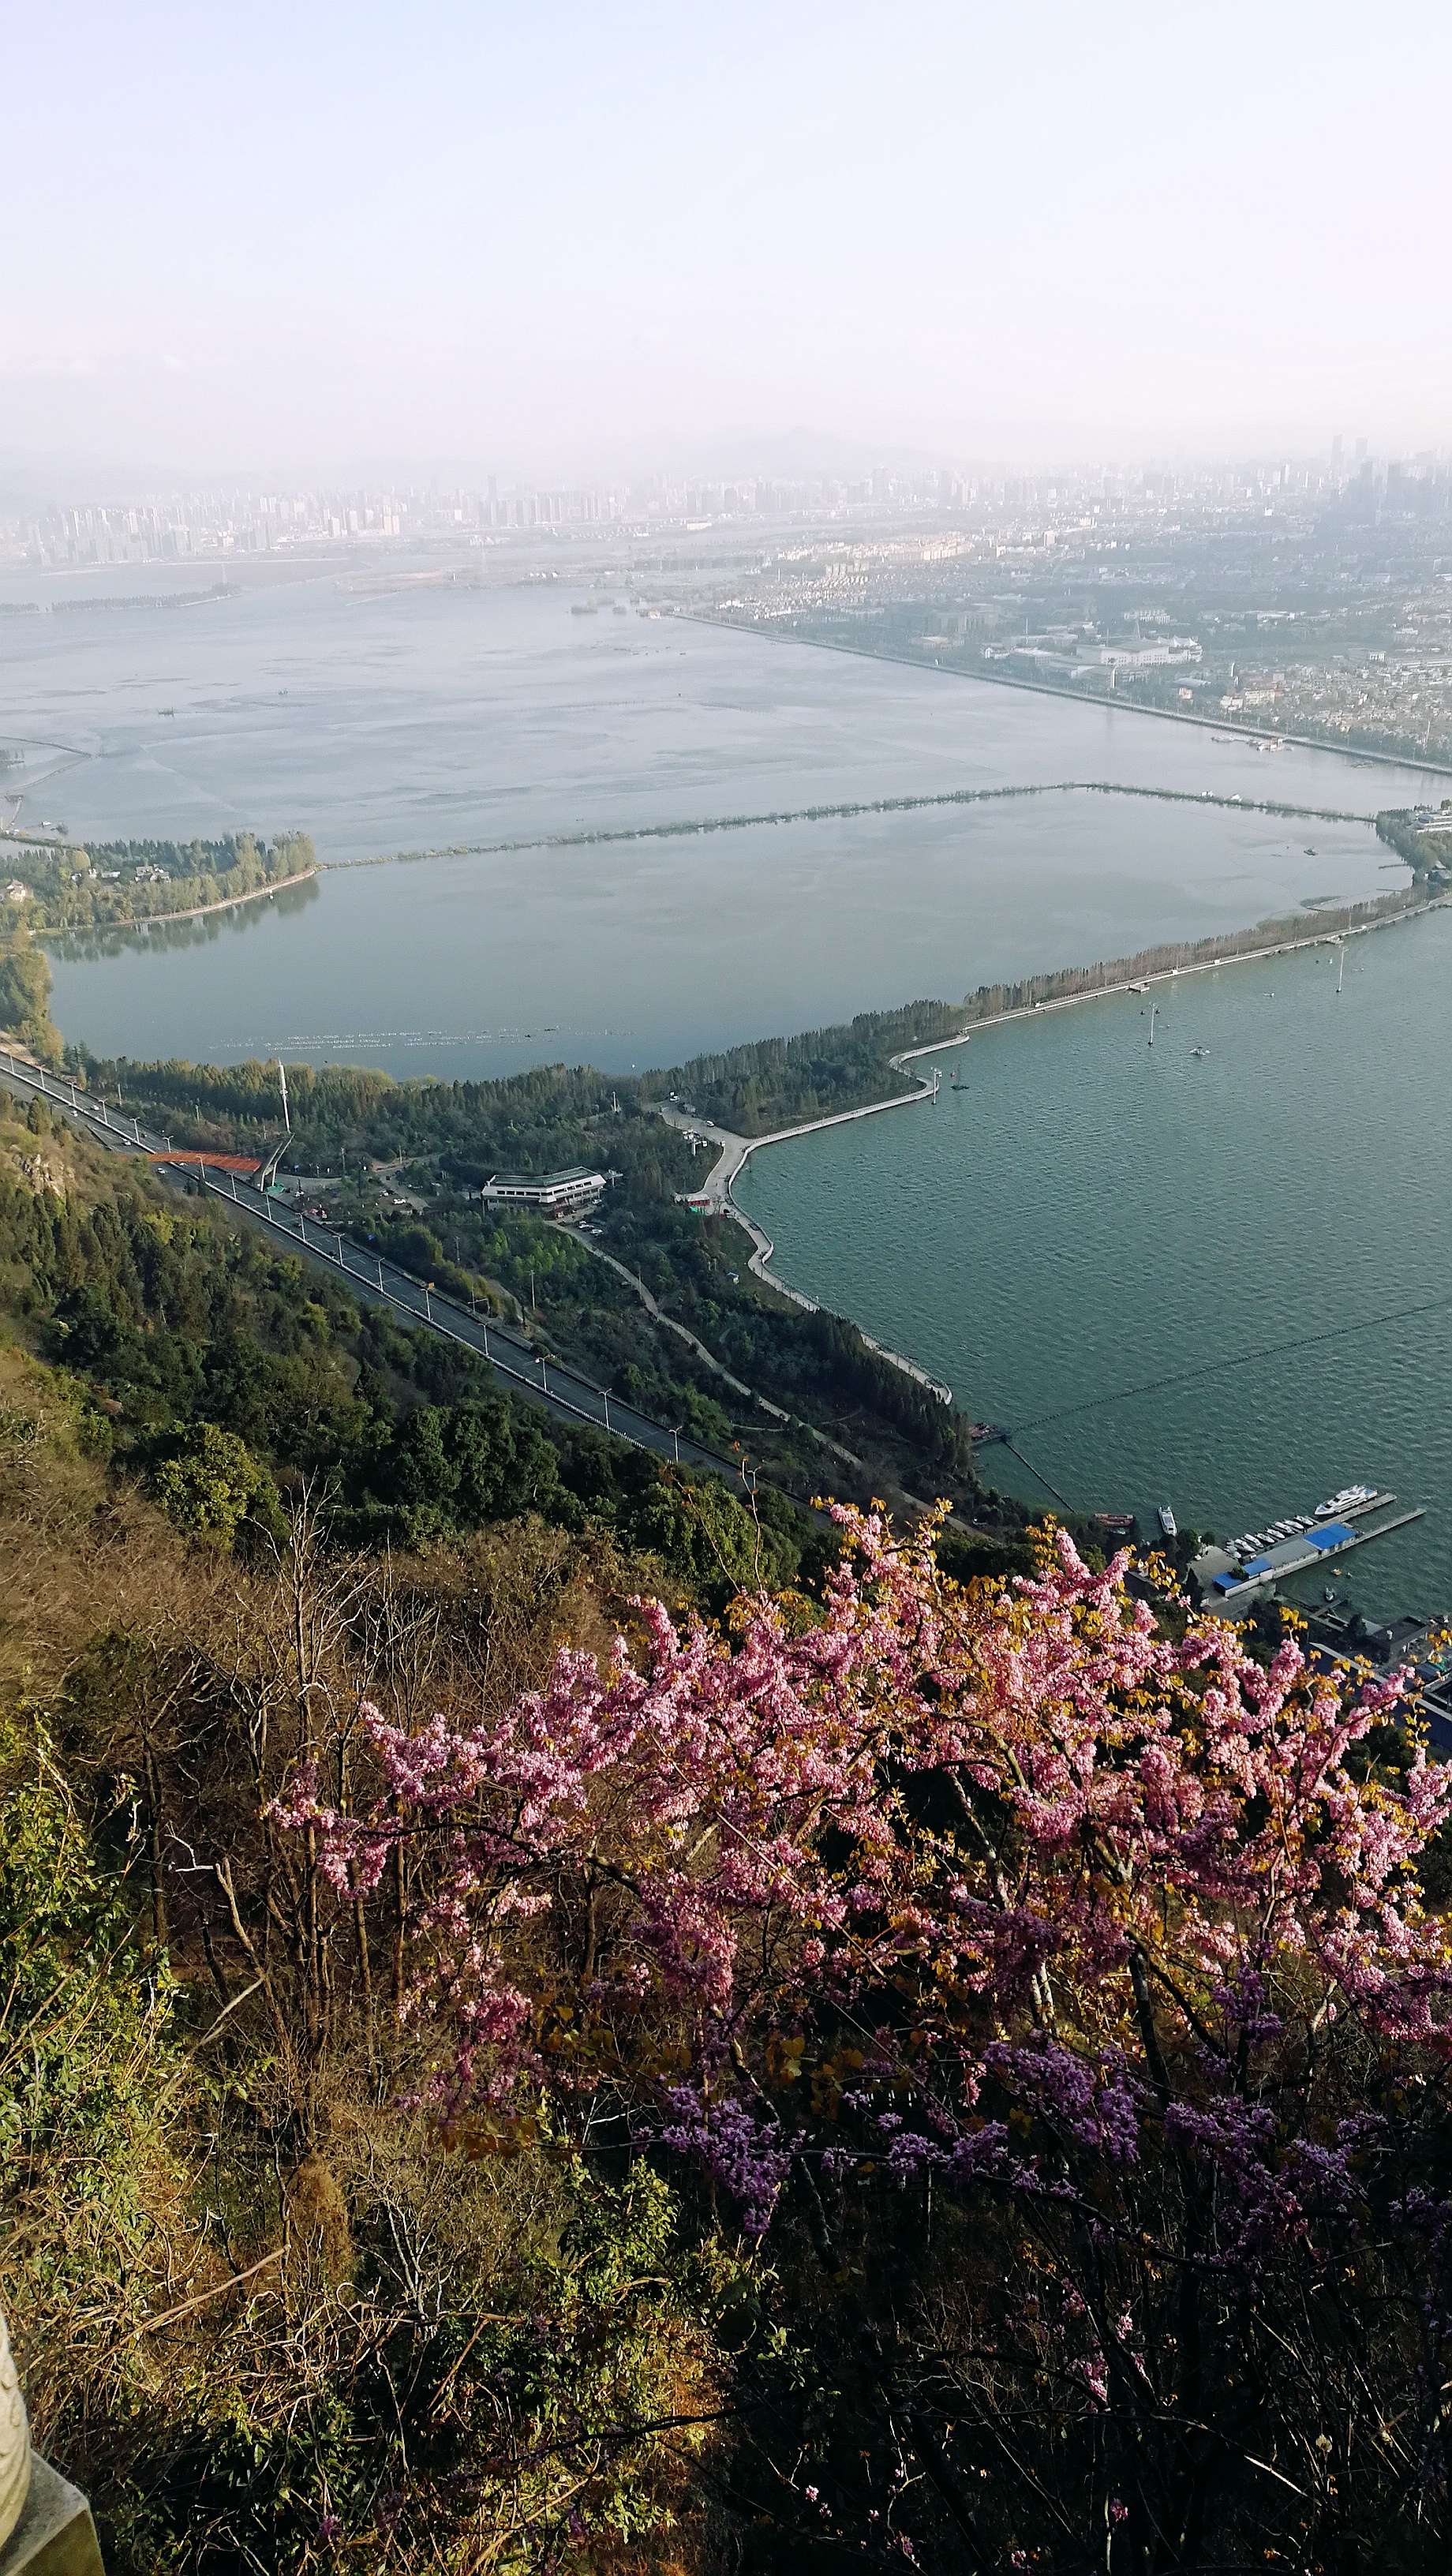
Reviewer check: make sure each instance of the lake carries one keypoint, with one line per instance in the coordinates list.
(1091, 1242)
(398, 719)
(1221, 1281)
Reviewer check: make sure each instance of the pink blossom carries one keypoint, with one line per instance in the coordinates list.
(1008, 1887)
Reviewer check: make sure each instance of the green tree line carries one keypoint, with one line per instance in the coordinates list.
(226, 1374)
(114, 882)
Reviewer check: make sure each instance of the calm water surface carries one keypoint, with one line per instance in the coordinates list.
(439, 715)
(1177, 1279)
(1093, 1242)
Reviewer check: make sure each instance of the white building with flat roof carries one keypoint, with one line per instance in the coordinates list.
(545, 1193)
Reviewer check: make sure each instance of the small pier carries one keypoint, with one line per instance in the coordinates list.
(1229, 1580)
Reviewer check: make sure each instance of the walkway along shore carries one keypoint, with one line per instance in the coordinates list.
(196, 912)
(716, 1195)
(994, 679)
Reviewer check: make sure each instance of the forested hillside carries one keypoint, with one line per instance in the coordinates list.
(550, 2026)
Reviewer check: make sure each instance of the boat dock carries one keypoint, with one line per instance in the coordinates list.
(1235, 1576)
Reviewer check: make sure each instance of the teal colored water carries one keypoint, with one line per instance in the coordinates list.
(1091, 1242)
(1219, 1281)
(441, 715)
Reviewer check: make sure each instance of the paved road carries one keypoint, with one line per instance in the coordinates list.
(658, 1315)
(715, 1190)
(562, 1391)
(714, 1197)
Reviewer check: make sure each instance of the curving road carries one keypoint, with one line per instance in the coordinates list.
(563, 1392)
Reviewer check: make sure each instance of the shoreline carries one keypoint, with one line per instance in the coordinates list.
(1075, 697)
(195, 912)
(717, 1196)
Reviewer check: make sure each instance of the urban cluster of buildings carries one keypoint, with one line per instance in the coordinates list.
(1304, 597)
(1032, 513)
(1314, 602)
(218, 524)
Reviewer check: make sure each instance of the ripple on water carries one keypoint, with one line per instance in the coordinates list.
(1091, 1218)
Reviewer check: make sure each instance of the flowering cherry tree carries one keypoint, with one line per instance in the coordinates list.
(1059, 1982)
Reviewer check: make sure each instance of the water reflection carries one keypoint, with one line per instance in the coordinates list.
(202, 930)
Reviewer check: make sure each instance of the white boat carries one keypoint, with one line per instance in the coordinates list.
(1167, 1521)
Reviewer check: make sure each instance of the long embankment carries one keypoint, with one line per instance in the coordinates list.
(689, 827)
(995, 679)
(1111, 976)
(194, 912)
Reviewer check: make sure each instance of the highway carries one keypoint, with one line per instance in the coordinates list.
(563, 1392)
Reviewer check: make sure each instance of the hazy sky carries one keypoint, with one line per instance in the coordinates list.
(562, 235)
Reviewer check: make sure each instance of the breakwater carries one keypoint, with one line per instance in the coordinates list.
(773, 1087)
(1166, 1270)
(691, 826)
(992, 1002)
(1003, 1004)
(993, 677)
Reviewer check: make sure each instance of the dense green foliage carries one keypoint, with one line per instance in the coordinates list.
(535, 1121)
(278, 2319)
(119, 881)
(452, 1136)
(25, 992)
(230, 1374)
(1429, 853)
(777, 1082)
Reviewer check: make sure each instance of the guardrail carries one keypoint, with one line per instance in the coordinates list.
(561, 1389)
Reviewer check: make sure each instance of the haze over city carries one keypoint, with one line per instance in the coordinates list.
(581, 240)
(725, 1289)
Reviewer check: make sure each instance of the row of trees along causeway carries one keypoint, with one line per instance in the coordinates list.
(111, 883)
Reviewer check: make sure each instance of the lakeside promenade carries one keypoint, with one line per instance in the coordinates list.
(195, 912)
(716, 1197)
(1256, 734)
